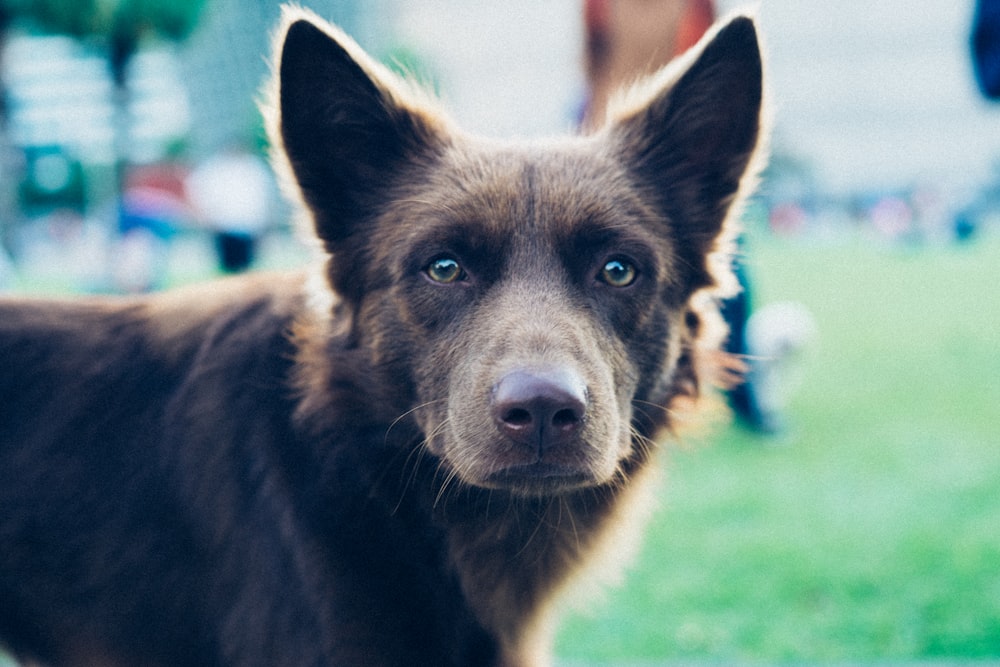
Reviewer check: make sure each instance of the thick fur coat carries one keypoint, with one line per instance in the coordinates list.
(407, 460)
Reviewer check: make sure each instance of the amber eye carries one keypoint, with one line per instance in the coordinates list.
(618, 273)
(445, 270)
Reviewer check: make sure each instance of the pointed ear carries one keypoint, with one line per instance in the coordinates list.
(348, 126)
(692, 140)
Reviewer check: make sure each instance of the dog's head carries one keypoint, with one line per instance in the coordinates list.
(536, 303)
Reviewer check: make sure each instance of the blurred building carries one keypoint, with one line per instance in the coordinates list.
(203, 91)
(226, 61)
(187, 99)
(59, 93)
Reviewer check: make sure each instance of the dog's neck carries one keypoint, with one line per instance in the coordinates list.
(519, 559)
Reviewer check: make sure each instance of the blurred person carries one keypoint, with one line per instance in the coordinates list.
(153, 205)
(625, 40)
(7, 276)
(628, 39)
(231, 194)
(986, 47)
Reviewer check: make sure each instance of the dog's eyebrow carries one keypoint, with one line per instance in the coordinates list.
(606, 231)
(603, 234)
(479, 250)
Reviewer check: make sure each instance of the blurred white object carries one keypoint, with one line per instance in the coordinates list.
(231, 191)
(137, 261)
(777, 336)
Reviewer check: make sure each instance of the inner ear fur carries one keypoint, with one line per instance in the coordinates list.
(692, 134)
(346, 126)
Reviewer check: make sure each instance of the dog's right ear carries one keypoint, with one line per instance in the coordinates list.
(349, 127)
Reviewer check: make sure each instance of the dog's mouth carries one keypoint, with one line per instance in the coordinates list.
(540, 476)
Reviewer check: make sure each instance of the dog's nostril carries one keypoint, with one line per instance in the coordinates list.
(518, 417)
(566, 418)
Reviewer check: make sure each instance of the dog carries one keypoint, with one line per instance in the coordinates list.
(410, 455)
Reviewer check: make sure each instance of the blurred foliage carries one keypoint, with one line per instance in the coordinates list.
(120, 24)
(172, 19)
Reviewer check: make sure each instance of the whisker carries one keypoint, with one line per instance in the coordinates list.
(452, 474)
(640, 406)
(414, 458)
(563, 503)
(408, 413)
(647, 446)
(531, 538)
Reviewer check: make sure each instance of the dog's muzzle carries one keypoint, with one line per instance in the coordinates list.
(541, 413)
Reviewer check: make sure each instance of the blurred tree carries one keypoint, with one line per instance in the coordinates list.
(119, 26)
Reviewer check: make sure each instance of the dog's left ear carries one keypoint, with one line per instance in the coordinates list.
(692, 139)
(349, 127)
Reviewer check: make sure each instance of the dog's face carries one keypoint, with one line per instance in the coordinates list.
(532, 300)
(528, 288)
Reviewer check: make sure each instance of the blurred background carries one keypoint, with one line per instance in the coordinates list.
(852, 514)
(110, 104)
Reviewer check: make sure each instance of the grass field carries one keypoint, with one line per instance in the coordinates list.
(871, 531)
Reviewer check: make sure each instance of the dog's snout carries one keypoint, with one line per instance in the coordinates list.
(540, 408)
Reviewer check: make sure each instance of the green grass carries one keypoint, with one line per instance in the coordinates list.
(871, 532)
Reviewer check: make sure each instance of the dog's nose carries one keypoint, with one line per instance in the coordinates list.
(540, 408)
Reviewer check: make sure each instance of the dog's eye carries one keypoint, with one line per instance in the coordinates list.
(618, 273)
(445, 270)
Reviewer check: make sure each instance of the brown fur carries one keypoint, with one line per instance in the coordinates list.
(412, 460)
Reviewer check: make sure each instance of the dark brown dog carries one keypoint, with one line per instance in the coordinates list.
(407, 465)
